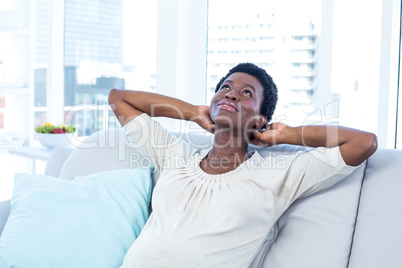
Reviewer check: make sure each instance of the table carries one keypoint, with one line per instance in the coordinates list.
(32, 152)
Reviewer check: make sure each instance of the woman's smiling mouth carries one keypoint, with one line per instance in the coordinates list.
(227, 105)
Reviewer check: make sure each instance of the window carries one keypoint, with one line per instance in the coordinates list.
(268, 42)
(311, 88)
(107, 44)
(346, 75)
(102, 44)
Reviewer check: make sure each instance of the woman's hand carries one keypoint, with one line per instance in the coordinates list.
(274, 134)
(203, 118)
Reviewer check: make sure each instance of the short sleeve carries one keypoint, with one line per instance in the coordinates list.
(315, 170)
(156, 144)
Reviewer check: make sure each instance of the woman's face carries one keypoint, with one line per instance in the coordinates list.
(237, 104)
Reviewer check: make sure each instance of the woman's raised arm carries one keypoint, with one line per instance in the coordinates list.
(355, 145)
(128, 104)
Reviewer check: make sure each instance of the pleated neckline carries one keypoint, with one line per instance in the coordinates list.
(195, 167)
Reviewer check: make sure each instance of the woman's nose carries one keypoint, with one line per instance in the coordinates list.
(231, 95)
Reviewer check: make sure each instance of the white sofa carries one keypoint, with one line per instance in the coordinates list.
(356, 223)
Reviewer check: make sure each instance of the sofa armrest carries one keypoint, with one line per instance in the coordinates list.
(4, 213)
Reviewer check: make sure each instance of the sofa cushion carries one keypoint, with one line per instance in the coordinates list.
(317, 231)
(88, 222)
(378, 238)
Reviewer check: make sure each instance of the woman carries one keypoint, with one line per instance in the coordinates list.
(214, 208)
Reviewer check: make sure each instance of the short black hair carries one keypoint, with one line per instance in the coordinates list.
(270, 91)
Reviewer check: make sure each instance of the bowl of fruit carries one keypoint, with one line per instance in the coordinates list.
(51, 136)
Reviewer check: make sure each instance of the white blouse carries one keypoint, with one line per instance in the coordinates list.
(204, 220)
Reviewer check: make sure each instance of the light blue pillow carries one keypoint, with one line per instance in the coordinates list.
(88, 222)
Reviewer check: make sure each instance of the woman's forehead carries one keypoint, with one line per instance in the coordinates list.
(245, 79)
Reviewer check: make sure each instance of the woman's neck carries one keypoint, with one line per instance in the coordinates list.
(229, 148)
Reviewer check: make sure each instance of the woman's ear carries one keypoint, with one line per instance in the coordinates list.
(261, 122)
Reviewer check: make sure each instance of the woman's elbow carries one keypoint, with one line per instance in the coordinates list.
(370, 145)
(114, 96)
(359, 149)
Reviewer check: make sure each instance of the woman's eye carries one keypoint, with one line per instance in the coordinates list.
(224, 87)
(248, 92)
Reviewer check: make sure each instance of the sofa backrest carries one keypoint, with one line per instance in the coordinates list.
(355, 224)
(317, 231)
(378, 232)
(109, 149)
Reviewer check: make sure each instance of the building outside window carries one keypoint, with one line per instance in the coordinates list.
(107, 44)
(315, 51)
(272, 42)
